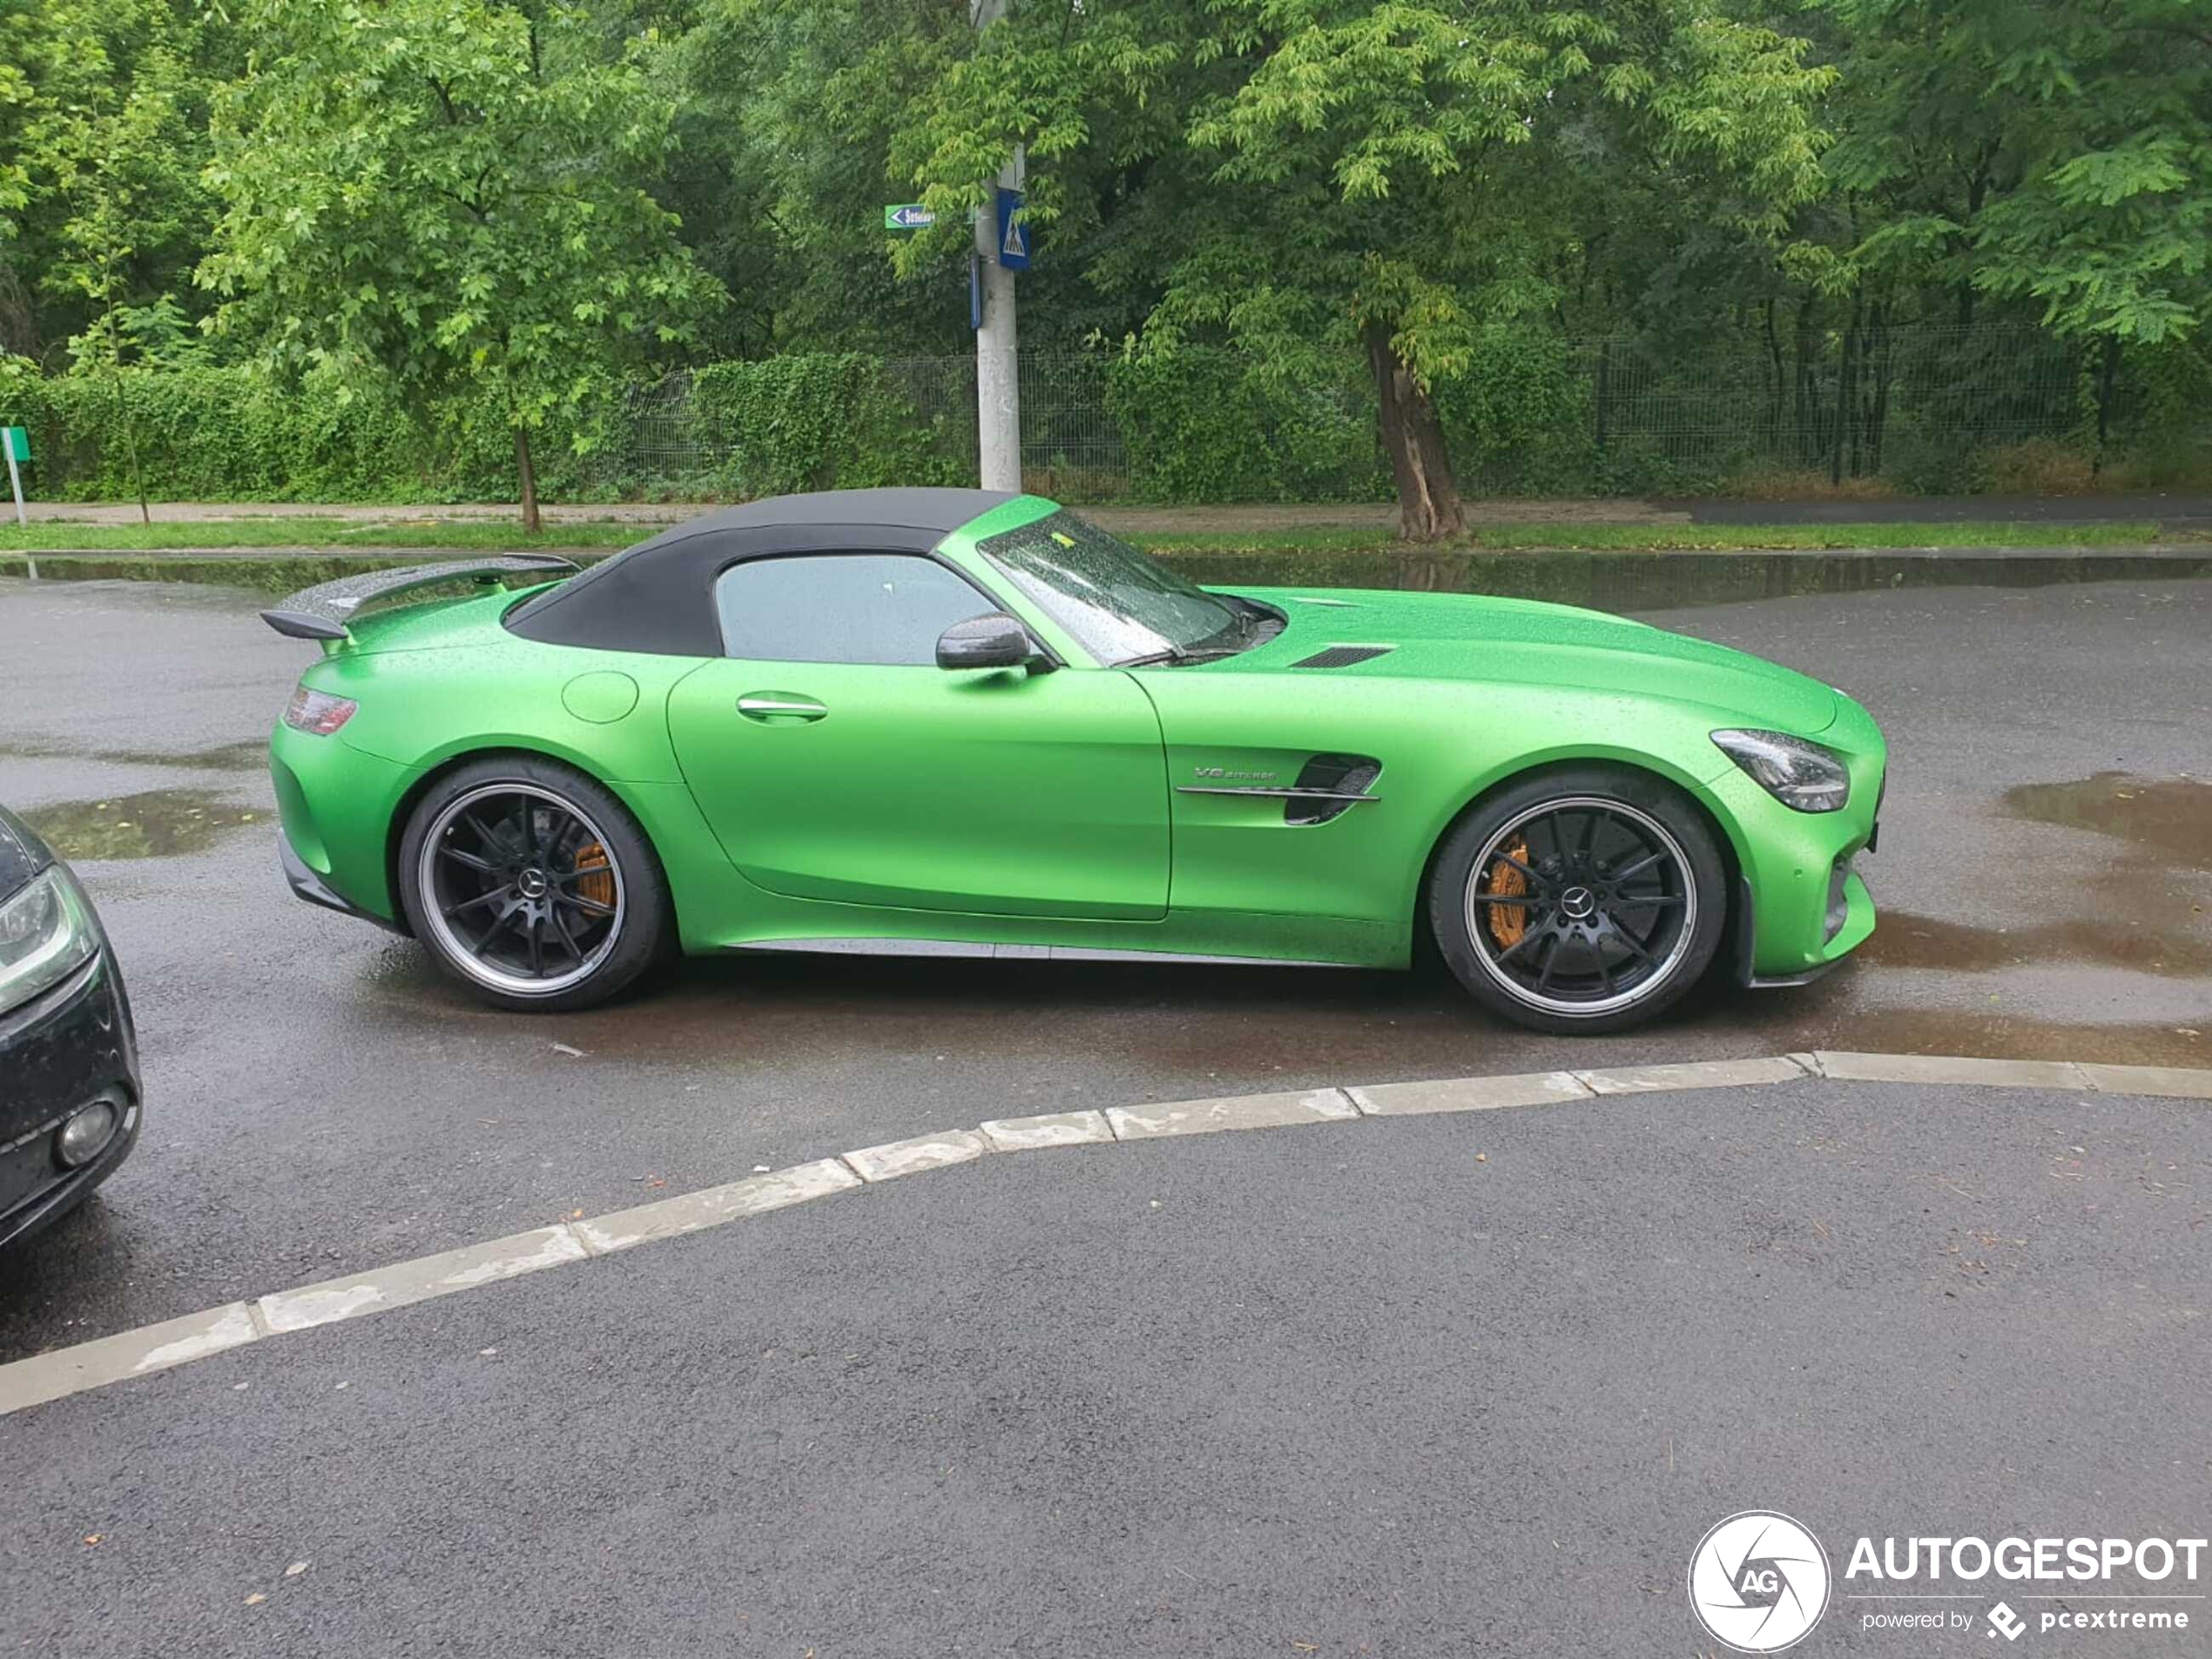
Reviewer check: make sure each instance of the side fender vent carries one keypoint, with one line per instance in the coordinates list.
(1340, 783)
(1343, 656)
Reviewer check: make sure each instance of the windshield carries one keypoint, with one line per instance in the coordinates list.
(1120, 605)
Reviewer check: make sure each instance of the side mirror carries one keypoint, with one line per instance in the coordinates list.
(993, 641)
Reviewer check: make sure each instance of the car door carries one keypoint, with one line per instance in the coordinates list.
(836, 761)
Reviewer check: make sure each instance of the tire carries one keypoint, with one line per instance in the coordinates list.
(1633, 914)
(575, 901)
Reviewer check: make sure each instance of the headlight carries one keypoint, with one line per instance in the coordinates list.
(1801, 775)
(47, 932)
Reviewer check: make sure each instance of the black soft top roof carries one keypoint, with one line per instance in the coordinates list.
(657, 596)
(941, 511)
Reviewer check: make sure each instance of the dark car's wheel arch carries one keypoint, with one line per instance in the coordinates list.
(1724, 834)
(403, 812)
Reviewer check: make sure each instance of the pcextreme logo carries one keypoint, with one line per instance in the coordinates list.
(1758, 1581)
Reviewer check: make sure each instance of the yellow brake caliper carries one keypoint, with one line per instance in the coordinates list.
(1509, 922)
(598, 886)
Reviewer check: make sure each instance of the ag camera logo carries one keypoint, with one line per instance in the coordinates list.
(1758, 1581)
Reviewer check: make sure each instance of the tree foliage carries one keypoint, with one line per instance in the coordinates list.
(494, 212)
(102, 134)
(2058, 153)
(1393, 177)
(455, 192)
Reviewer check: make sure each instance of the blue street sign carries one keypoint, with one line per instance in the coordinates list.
(907, 216)
(1014, 239)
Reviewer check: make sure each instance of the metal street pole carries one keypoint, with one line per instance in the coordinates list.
(998, 387)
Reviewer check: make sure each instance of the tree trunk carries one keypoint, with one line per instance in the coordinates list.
(123, 411)
(530, 480)
(1879, 352)
(1774, 385)
(1808, 403)
(1847, 391)
(1428, 499)
(2106, 374)
(131, 447)
(1604, 388)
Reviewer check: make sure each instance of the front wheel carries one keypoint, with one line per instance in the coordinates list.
(1581, 901)
(532, 885)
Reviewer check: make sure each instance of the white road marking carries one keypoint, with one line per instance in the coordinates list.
(62, 1371)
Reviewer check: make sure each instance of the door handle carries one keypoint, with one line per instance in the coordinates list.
(779, 705)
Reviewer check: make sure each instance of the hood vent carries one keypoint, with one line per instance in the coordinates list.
(1343, 656)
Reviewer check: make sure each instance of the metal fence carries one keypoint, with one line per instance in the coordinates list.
(1908, 403)
(1619, 413)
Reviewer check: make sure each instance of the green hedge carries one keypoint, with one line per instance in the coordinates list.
(1197, 425)
(234, 434)
(1202, 426)
(816, 421)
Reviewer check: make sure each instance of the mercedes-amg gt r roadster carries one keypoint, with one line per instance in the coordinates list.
(954, 723)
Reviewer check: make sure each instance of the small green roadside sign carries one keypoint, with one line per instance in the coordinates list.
(18, 441)
(907, 216)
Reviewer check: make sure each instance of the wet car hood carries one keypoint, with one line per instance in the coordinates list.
(22, 853)
(1472, 637)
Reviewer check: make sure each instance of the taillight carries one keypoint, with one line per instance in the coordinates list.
(318, 712)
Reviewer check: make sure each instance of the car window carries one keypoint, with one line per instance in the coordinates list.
(842, 608)
(1125, 606)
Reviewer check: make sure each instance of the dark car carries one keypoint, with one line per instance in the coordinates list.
(69, 1056)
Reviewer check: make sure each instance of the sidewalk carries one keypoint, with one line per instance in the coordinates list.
(2173, 509)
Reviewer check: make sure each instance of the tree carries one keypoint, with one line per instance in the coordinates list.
(453, 192)
(117, 165)
(1384, 174)
(102, 119)
(2081, 133)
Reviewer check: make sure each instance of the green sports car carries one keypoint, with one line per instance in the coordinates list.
(956, 722)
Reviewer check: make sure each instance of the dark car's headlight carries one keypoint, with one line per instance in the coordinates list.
(1801, 775)
(47, 932)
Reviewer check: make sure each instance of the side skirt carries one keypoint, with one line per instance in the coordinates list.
(971, 949)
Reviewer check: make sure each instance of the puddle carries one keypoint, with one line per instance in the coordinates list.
(2006, 1037)
(1638, 582)
(1853, 1010)
(157, 824)
(249, 754)
(2169, 816)
(1907, 940)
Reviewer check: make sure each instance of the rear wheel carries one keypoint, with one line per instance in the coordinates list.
(1585, 899)
(532, 885)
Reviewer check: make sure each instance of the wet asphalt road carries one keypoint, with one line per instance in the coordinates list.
(320, 1100)
(1416, 1388)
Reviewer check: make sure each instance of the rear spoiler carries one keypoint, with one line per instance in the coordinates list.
(322, 612)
